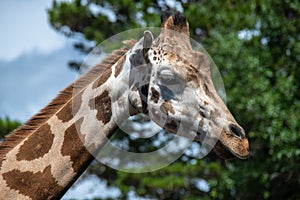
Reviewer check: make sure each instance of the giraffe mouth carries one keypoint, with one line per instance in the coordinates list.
(225, 153)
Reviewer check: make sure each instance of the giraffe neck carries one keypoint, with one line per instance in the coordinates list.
(42, 159)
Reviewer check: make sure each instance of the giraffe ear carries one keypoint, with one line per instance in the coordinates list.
(148, 39)
(140, 49)
(167, 20)
(181, 24)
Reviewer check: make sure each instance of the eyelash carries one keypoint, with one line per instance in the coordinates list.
(167, 77)
(170, 79)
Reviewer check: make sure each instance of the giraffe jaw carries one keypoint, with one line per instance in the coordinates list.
(223, 152)
(226, 153)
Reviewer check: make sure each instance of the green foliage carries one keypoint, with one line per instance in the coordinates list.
(177, 181)
(6, 126)
(256, 45)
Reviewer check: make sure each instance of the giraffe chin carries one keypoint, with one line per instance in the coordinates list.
(223, 152)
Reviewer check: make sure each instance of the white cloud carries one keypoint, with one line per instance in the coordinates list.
(91, 187)
(24, 28)
(29, 82)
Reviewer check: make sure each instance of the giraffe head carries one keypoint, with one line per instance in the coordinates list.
(171, 82)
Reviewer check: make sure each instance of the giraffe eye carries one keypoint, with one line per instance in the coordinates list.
(171, 84)
(166, 75)
(170, 79)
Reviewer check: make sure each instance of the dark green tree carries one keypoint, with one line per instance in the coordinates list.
(7, 126)
(256, 46)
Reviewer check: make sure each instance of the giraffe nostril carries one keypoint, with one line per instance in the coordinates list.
(237, 131)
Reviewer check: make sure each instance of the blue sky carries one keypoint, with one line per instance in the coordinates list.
(33, 58)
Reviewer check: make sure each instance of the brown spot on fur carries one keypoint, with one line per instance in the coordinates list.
(191, 77)
(214, 114)
(172, 126)
(206, 90)
(119, 66)
(70, 109)
(102, 79)
(209, 93)
(40, 185)
(37, 145)
(154, 95)
(167, 107)
(73, 146)
(66, 113)
(102, 104)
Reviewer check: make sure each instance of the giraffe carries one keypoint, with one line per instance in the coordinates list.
(44, 157)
